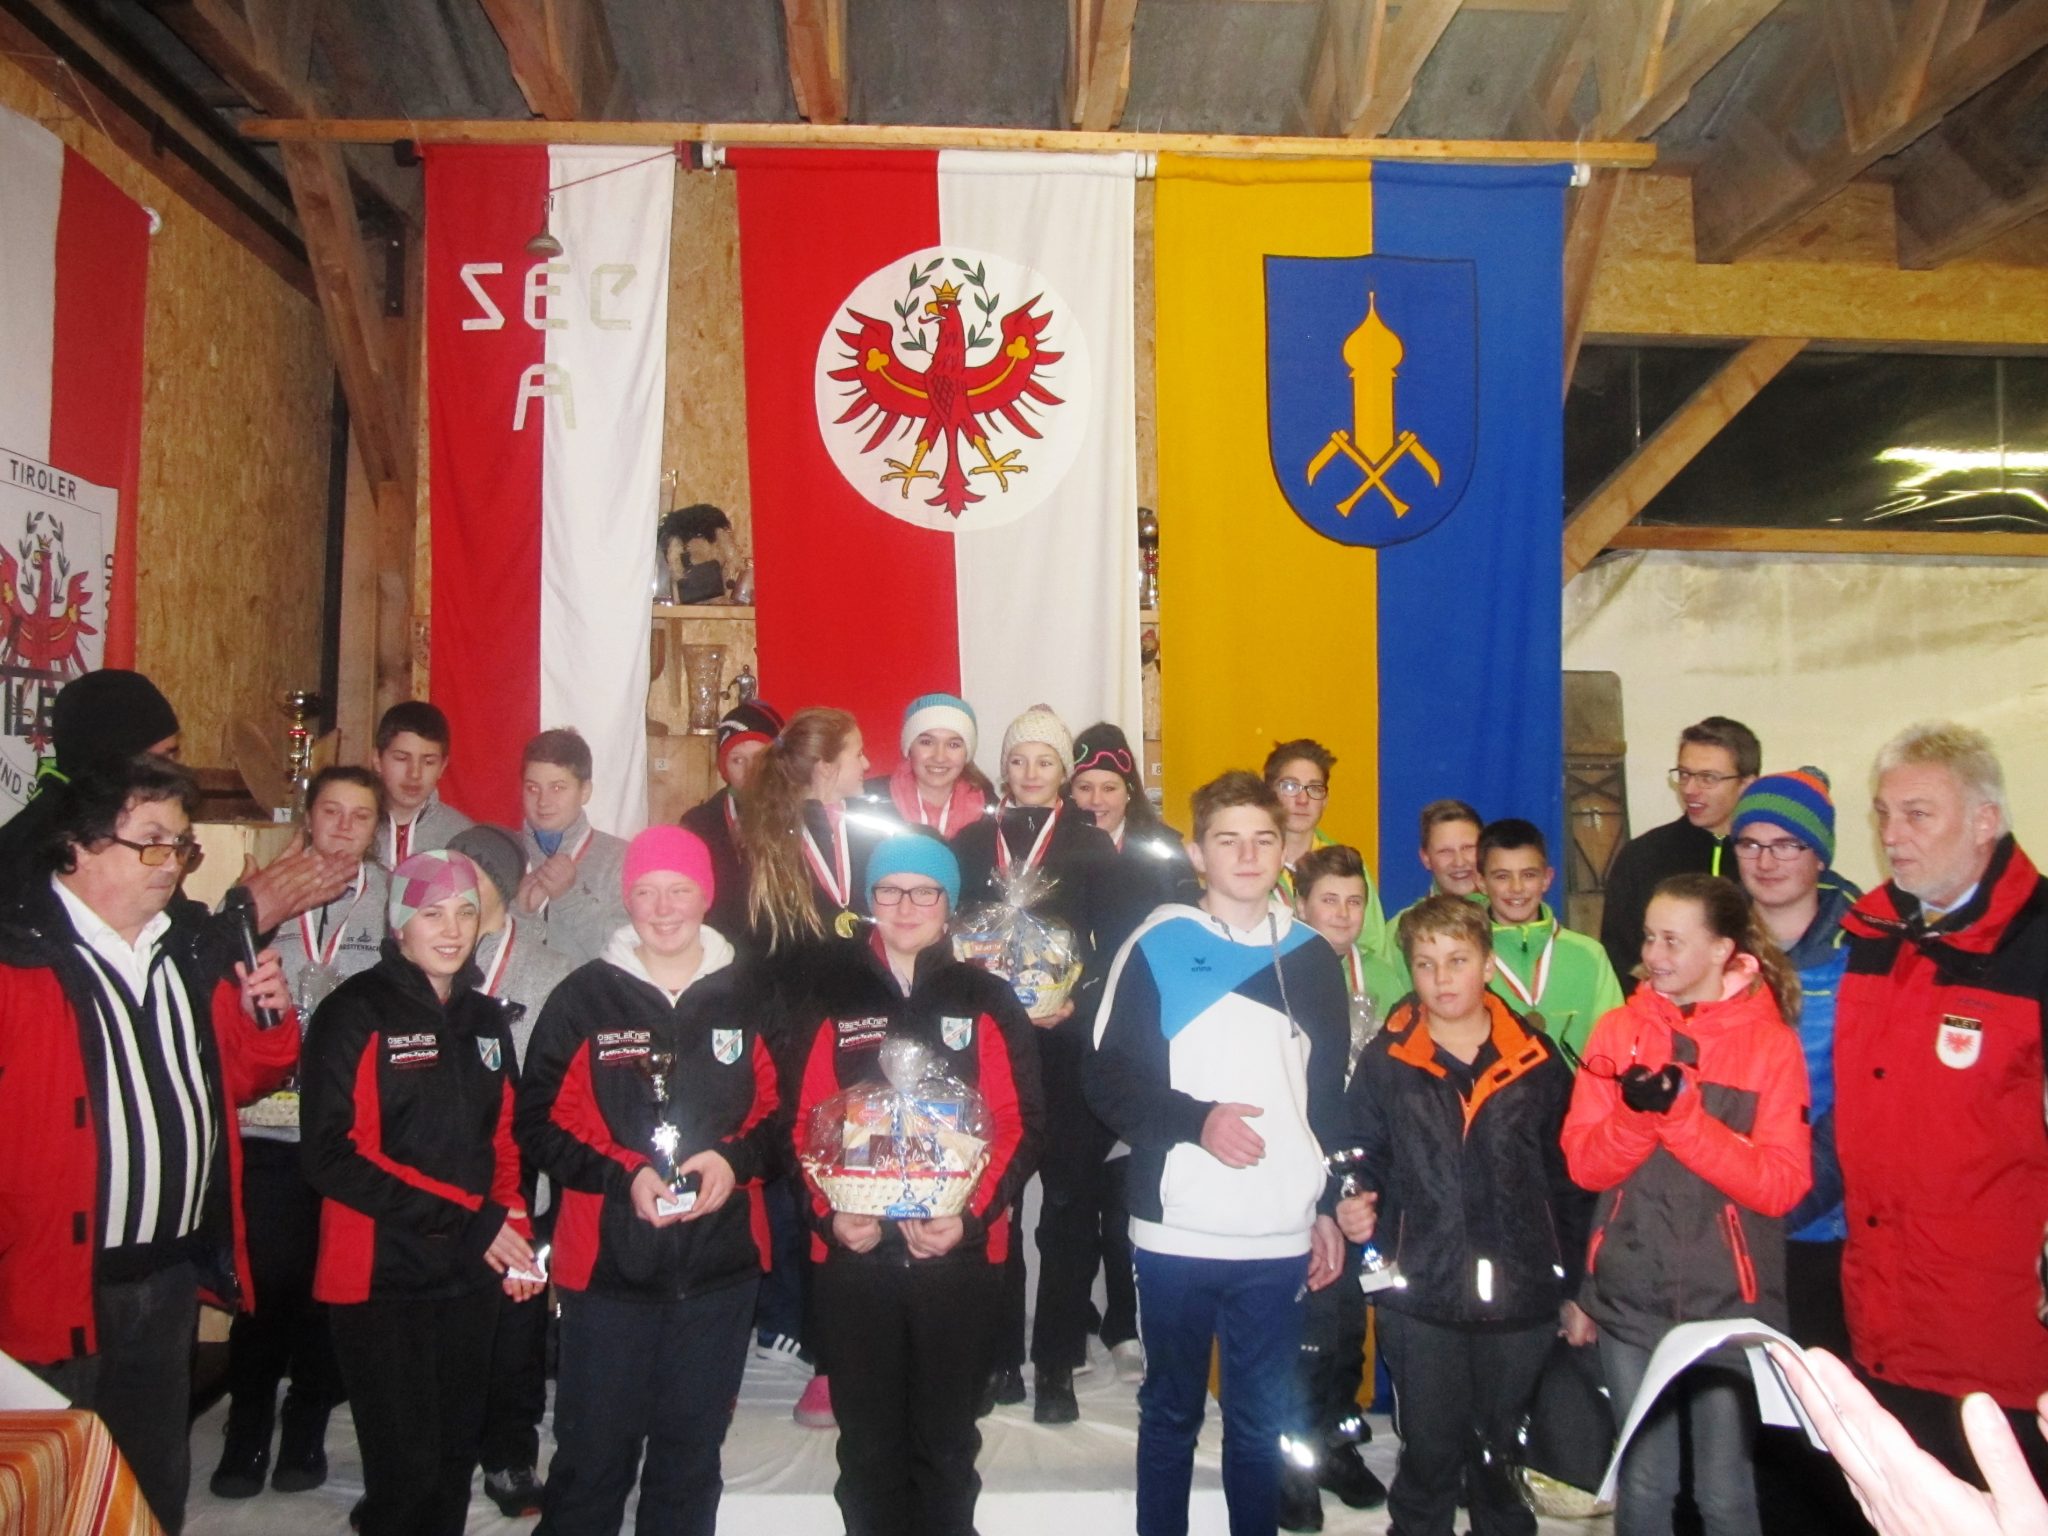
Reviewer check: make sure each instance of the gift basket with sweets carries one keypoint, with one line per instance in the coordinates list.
(1035, 953)
(912, 1147)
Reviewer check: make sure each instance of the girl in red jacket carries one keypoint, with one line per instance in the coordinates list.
(1690, 1119)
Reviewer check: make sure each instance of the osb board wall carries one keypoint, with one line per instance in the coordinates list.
(1830, 276)
(704, 439)
(232, 512)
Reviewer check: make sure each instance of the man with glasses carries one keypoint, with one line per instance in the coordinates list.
(1718, 759)
(1298, 772)
(125, 1051)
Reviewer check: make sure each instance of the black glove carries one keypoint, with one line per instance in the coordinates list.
(1651, 1093)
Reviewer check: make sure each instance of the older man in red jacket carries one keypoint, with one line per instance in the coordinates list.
(124, 1051)
(1939, 1082)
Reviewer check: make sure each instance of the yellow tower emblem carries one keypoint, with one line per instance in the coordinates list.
(1373, 354)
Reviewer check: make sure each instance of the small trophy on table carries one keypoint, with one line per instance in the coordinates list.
(682, 1196)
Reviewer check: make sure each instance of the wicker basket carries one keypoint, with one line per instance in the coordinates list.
(881, 1192)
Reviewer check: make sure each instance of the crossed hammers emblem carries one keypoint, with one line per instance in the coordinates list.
(1375, 471)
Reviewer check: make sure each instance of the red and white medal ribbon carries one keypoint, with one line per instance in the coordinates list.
(497, 971)
(1039, 843)
(836, 883)
(322, 952)
(924, 816)
(1507, 972)
(1354, 970)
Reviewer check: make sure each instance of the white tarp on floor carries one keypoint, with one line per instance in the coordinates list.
(1825, 658)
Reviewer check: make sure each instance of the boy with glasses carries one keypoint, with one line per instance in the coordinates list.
(1298, 772)
(1718, 759)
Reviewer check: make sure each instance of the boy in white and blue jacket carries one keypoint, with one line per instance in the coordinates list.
(1219, 1057)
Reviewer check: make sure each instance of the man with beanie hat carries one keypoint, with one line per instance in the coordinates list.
(905, 1308)
(1784, 841)
(744, 733)
(650, 1100)
(96, 721)
(523, 973)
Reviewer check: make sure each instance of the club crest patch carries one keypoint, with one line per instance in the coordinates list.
(489, 1050)
(725, 1045)
(1958, 1041)
(958, 1033)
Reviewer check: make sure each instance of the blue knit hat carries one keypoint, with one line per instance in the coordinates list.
(939, 712)
(1798, 802)
(915, 853)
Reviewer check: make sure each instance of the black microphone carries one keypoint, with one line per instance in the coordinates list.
(241, 906)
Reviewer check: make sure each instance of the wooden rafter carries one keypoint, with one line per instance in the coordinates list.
(1983, 171)
(816, 33)
(1367, 61)
(1623, 494)
(1895, 79)
(1834, 541)
(1099, 61)
(561, 55)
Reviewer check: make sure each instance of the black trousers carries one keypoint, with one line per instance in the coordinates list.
(1800, 1491)
(1456, 1392)
(416, 1374)
(634, 1374)
(1935, 1421)
(1332, 1362)
(287, 1334)
(908, 1344)
(140, 1381)
(780, 1307)
(517, 1395)
(1119, 1279)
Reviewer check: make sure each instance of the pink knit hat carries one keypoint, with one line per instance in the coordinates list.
(671, 848)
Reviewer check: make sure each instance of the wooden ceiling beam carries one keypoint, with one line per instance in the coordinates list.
(561, 56)
(1708, 34)
(1895, 88)
(1623, 495)
(1381, 87)
(1924, 543)
(1349, 37)
(1983, 171)
(816, 35)
(1099, 61)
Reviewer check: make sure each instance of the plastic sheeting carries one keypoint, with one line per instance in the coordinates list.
(1825, 658)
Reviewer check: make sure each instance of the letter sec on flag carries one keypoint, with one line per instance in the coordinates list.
(1372, 391)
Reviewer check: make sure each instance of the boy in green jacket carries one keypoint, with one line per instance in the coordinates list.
(1562, 981)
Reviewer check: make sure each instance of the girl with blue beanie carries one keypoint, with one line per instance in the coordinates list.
(936, 784)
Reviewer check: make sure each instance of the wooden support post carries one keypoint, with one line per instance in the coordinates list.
(1099, 61)
(1612, 507)
(1586, 220)
(1983, 171)
(1928, 544)
(816, 34)
(561, 55)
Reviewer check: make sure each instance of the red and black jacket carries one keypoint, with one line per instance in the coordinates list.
(971, 1022)
(1938, 1124)
(587, 1115)
(52, 1092)
(405, 1121)
(1470, 1175)
(1690, 1221)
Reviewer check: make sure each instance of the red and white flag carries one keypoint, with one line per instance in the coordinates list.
(941, 433)
(545, 379)
(74, 270)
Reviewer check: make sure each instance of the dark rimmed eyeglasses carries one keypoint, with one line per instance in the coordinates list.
(1682, 777)
(1785, 848)
(1315, 789)
(185, 850)
(919, 895)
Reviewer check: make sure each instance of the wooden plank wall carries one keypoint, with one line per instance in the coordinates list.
(232, 513)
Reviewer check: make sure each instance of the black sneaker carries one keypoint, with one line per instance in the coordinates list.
(1054, 1403)
(1301, 1507)
(1005, 1386)
(516, 1492)
(301, 1450)
(241, 1469)
(1344, 1472)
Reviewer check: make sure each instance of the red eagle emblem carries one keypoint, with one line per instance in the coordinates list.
(40, 631)
(950, 398)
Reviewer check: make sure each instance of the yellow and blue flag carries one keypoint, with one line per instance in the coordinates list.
(1361, 485)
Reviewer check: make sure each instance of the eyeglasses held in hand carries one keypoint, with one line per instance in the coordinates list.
(1313, 788)
(1681, 777)
(185, 850)
(920, 895)
(1785, 848)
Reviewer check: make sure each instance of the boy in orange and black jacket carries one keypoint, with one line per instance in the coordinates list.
(1457, 1106)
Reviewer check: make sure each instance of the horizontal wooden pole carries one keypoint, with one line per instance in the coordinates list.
(395, 130)
(1833, 541)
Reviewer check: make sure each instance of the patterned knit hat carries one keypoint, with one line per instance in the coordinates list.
(426, 878)
(751, 721)
(1040, 724)
(940, 712)
(1105, 746)
(1799, 803)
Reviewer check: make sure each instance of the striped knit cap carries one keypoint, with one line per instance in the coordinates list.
(1798, 802)
(426, 878)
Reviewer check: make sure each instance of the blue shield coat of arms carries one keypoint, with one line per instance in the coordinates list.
(1372, 391)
